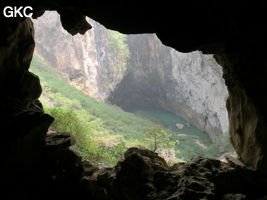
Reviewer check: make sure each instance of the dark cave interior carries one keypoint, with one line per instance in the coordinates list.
(34, 168)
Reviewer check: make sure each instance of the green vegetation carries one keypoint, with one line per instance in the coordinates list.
(158, 138)
(117, 41)
(85, 129)
(191, 142)
(103, 131)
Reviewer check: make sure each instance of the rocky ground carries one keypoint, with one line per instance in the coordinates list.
(143, 175)
(38, 164)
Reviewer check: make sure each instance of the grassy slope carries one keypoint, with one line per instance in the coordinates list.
(114, 121)
(113, 117)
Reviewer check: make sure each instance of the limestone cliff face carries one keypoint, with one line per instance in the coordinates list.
(189, 85)
(88, 62)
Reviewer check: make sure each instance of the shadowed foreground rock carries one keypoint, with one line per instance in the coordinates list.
(145, 175)
(50, 170)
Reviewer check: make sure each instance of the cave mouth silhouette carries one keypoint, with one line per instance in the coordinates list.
(32, 167)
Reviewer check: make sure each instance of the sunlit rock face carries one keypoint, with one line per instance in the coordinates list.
(187, 84)
(87, 61)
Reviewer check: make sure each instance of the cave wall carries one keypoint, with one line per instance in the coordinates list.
(243, 73)
(19, 87)
(21, 112)
(23, 123)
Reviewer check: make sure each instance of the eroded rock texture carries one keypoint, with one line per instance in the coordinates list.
(19, 87)
(145, 175)
(246, 105)
(23, 123)
(142, 174)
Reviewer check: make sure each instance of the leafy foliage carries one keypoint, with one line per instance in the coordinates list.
(158, 138)
(84, 128)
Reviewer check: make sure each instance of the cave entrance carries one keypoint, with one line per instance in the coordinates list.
(115, 91)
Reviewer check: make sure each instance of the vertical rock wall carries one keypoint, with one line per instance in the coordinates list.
(187, 84)
(89, 61)
(243, 73)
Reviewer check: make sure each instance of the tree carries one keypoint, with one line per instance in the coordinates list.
(158, 138)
